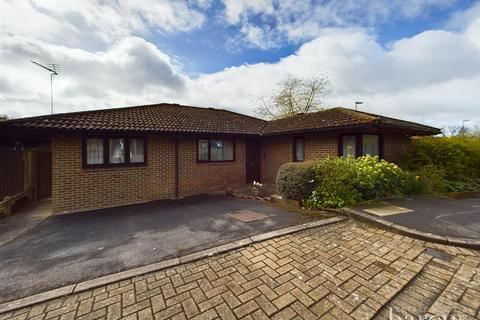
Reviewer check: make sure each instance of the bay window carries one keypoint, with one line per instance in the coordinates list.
(114, 151)
(215, 150)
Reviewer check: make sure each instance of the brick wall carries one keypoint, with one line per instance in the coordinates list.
(197, 178)
(395, 145)
(278, 150)
(76, 189)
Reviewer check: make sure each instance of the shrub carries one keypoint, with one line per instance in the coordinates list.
(344, 182)
(296, 180)
(458, 156)
(335, 184)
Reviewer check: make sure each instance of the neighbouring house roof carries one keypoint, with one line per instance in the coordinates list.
(176, 118)
(340, 118)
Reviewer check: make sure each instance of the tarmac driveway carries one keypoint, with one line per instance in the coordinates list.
(70, 248)
(442, 216)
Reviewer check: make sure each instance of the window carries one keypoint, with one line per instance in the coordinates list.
(349, 146)
(115, 151)
(370, 145)
(356, 145)
(202, 150)
(137, 150)
(94, 151)
(299, 150)
(215, 150)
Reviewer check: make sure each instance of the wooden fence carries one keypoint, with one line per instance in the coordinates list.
(11, 173)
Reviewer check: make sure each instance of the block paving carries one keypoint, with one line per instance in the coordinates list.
(348, 270)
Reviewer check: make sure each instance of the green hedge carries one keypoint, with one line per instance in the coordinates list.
(296, 180)
(445, 164)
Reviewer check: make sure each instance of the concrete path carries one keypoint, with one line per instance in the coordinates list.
(444, 216)
(71, 248)
(346, 270)
(26, 217)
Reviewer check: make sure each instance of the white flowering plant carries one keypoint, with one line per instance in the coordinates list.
(256, 187)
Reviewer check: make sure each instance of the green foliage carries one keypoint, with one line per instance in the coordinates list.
(458, 156)
(344, 182)
(445, 164)
(296, 180)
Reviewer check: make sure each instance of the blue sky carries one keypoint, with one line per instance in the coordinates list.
(205, 50)
(414, 59)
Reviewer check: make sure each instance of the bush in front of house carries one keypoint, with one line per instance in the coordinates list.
(344, 182)
(296, 180)
(445, 164)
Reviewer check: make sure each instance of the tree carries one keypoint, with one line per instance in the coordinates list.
(294, 96)
(3, 117)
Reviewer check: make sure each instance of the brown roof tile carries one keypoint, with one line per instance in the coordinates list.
(186, 119)
(339, 118)
(149, 118)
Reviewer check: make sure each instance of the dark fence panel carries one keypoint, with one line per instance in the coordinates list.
(11, 173)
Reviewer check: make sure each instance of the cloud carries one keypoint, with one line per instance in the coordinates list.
(106, 21)
(297, 21)
(432, 77)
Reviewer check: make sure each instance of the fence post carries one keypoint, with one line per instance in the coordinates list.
(8, 203)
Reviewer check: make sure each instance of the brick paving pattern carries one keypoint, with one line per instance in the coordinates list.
(348, 270)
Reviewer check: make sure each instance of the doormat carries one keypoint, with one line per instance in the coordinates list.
(248, 216)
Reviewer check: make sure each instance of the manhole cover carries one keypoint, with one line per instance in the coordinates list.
(439, 254)
(247, 216)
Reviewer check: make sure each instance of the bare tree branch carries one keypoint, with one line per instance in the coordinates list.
(294, 96)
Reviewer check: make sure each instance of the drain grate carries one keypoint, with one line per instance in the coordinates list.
(247, 216)
(439, 254)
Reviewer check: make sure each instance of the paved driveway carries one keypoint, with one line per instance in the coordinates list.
(348, 270)
(442, 216)
(69, 248)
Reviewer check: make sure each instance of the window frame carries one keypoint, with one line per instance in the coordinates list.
(209, 160)
(359, 143)
(106, 152)
(295, 148)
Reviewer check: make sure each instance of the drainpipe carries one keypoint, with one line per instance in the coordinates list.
(177, 167)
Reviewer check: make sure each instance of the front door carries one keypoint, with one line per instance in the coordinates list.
(252, 160)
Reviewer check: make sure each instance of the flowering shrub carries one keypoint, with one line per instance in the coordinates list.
(343, 182)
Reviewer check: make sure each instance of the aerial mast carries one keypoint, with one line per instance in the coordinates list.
(54, 69)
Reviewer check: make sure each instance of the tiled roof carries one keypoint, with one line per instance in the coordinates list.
(149, 118)
(186, 119)
(339, 118)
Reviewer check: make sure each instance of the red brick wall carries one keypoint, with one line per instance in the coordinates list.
(395, 145)
(76, 189)
(278, 150)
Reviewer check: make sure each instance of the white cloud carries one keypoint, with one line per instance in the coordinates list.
(432, 77)
(106, 21)
(297, 21)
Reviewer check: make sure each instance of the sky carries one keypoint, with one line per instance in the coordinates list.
(417, 60)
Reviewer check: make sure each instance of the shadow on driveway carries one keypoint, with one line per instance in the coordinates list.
(69, 248)
(459, 218)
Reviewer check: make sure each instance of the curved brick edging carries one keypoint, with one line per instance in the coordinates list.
(97, 282)
(460, 242)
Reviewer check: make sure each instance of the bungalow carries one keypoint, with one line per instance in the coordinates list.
(120, 156)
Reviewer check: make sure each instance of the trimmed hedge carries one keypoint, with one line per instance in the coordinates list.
(296, 180)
